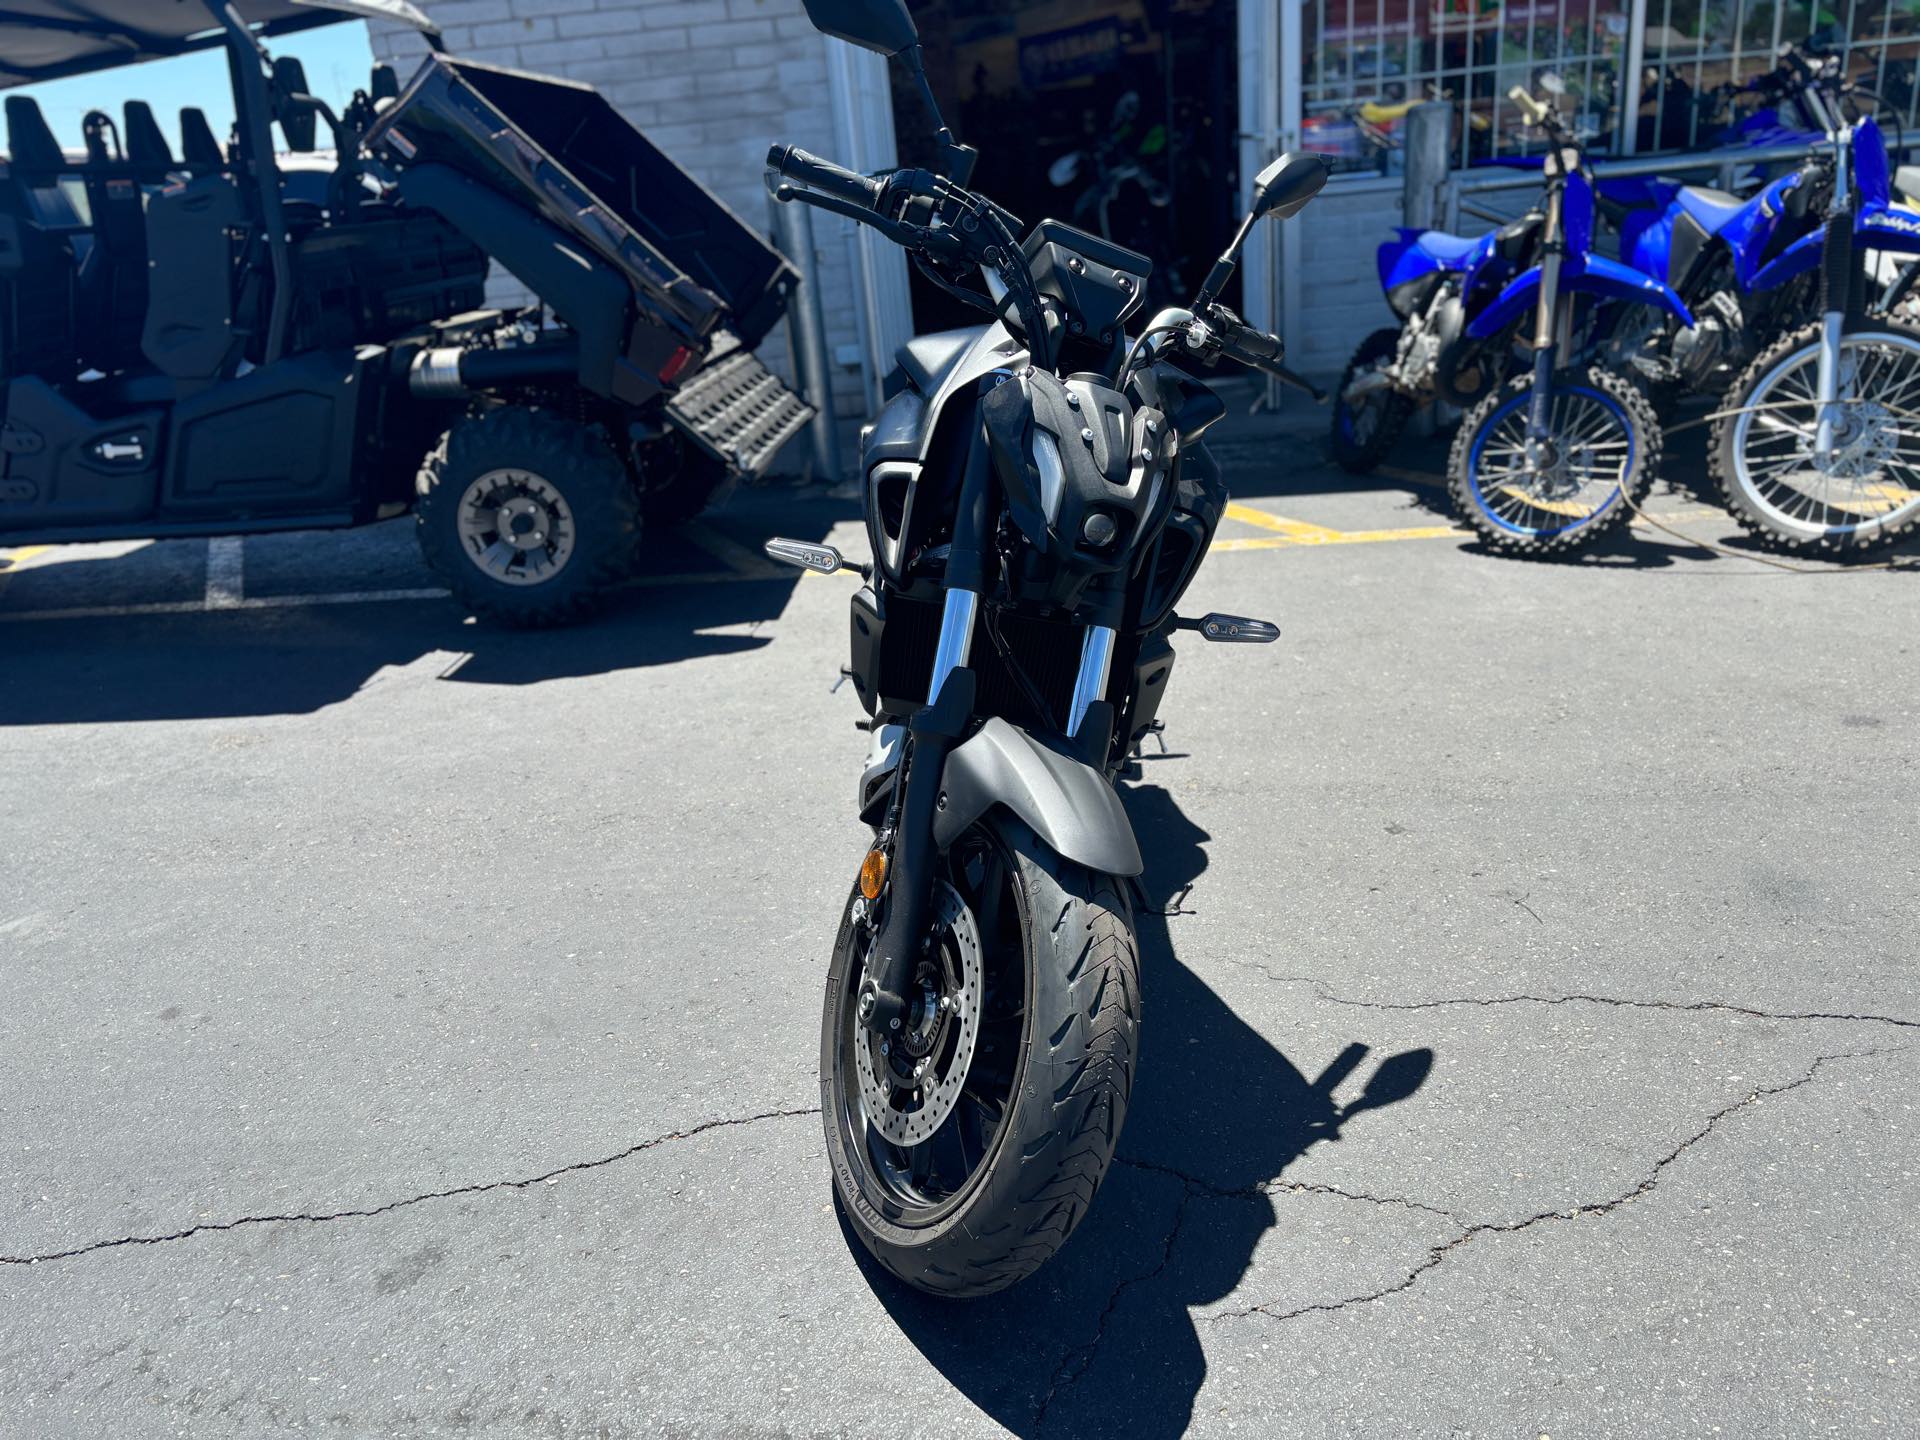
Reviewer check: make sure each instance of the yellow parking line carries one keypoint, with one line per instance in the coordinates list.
(1296, 530)
(1337, 537)
(15, 559)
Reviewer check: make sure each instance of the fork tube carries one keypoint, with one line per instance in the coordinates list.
(1543, 324)
(956, 638)
(966, 564)
(1096, 664)
(1828, 383)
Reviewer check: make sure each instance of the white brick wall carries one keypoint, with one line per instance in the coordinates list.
(1340, 298)
(711, 82)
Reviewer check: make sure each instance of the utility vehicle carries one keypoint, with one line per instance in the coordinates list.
(243, 337)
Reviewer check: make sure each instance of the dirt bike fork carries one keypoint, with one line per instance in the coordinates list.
(1547, 324)
(1842, 290)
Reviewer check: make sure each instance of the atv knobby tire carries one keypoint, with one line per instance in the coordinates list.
(601, 508)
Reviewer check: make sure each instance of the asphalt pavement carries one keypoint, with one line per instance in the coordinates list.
(411, 1028)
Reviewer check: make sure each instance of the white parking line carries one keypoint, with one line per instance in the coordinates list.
(200, 607)
(226, 572)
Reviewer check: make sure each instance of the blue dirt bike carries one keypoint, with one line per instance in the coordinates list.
(1817, 444)
(1548, 460)
(1727, 257)
(1435, 282)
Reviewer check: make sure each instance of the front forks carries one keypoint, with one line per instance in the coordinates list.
(1840, 283)
(1545, 328)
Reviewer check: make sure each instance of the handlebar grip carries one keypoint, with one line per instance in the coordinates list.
(1256, 346)
(1526, 104)
(795, 164)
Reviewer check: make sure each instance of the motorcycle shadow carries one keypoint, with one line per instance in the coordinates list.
(1101, 1340)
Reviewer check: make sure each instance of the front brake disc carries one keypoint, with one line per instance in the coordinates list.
(907, 1109)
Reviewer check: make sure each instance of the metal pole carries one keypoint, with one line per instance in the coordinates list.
(1636, 62)
(1293, 69)
(1429, 137)
(807, 331)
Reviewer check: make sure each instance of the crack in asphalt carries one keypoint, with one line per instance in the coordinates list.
(479, 1188)
(1437, 1254)
(1326, 993)
(1068, 1374)
(1283, 1187)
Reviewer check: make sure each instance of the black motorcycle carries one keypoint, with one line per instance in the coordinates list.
(1037, 500)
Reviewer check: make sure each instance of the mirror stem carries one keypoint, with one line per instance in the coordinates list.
(956, 160)
(1222, 271)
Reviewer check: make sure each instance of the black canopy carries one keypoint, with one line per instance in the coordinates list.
(49, 39)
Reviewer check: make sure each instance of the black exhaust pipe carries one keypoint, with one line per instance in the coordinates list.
(450, 371)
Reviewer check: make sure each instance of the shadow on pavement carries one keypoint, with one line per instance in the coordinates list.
(1100, 1341)
(298, 658)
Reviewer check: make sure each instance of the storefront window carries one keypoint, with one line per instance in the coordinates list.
(1371, 61)
(1118, 118)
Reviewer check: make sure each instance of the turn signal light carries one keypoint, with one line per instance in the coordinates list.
(873, 873)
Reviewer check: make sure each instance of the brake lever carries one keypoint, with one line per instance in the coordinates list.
(910, 236)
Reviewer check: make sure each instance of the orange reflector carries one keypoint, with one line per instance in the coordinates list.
(873, 874)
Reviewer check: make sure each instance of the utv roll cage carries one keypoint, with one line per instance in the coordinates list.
(233, 340)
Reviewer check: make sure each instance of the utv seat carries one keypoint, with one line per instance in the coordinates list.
(199, 151)
(113, 273)
(38, 324)
(929, 359)
(48, 180)
(148, 154)
(190, 331)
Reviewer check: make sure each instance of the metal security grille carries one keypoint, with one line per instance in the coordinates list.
(1693, 51)
(1642, 75)
(1369, 61)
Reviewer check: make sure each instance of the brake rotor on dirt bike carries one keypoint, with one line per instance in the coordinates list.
(910, 1080)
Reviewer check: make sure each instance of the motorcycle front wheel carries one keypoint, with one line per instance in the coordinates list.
(967, 1146)
(1866, 494)
(1602, 449)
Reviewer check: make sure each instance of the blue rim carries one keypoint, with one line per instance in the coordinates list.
(1487, 428)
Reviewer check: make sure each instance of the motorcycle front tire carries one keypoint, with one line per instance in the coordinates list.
(1075, 1064)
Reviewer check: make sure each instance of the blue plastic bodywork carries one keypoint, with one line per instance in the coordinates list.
(1414, 254)
(1580, 274)
(1581, 271)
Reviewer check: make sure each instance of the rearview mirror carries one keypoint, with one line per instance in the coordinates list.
(1283, 189)
(1397, 1078)
(882, 25)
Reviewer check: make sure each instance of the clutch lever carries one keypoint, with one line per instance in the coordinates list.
(1299, 382)
(901, 233)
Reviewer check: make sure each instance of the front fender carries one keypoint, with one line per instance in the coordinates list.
(1591, 274)
(1065, 801)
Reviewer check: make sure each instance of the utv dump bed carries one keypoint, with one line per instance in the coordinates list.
(693, 269)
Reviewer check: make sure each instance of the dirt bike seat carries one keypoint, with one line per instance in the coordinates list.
(1710, 208)
(1444, 247)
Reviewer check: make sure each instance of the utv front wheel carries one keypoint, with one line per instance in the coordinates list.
(527, 517)
(967, 1145)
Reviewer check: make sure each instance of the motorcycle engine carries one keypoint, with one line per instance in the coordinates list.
(1426, 336)
(1707, 355)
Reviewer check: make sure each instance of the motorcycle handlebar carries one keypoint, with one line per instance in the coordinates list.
(793, 163)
